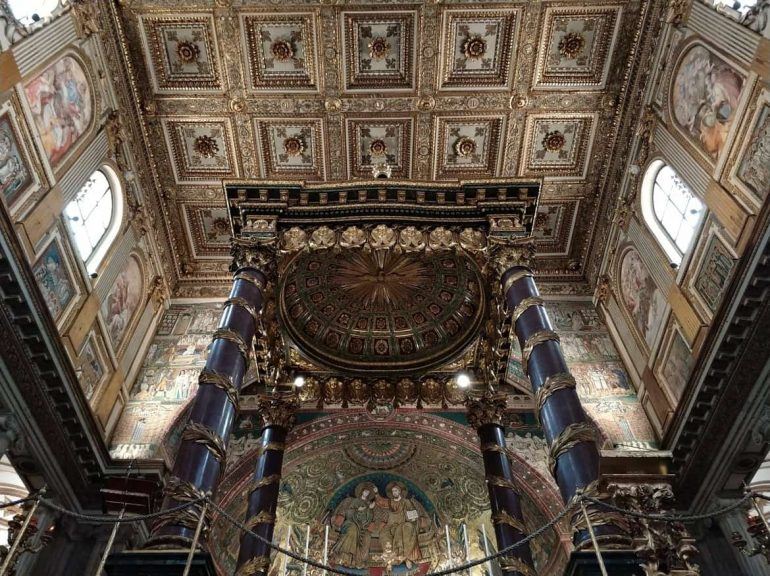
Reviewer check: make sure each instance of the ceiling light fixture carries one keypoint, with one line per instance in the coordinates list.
(463, 380)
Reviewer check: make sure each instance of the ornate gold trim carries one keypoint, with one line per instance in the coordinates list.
(500, 481)
(560, 381)
(503, 517)
(254, 566)
(235, 338)
(264, 517)
(243, 303)
(202, 434)
(567, 439)
(515, 277)
(539, 337)
(279, 446)
(250, 279)
(513, 564)
(525, 305)
(221, 381)
(265, 481)
(492, 447)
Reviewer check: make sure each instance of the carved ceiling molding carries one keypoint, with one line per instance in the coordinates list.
(348, 90)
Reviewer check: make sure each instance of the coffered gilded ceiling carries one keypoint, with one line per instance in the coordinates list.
(321, 91)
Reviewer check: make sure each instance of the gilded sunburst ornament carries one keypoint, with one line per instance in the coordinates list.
(206, 146)
(571, 45)
(381, 278)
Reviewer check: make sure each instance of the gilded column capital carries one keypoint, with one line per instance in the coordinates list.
(257, 253)
(278, 410)
(486, 409)
(506, 253)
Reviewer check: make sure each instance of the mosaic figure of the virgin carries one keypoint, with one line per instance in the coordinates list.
(355, 517)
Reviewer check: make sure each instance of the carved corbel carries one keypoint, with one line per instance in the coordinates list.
(603, 289)
(86, 17)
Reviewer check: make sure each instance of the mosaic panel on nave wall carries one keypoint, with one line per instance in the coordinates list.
(168, 378)
(604, 387)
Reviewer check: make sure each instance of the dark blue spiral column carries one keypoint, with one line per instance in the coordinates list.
(200, 460)
(277, 420)
(574, 454)
(485, 414)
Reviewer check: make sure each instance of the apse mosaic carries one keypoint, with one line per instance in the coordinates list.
(281, 51)
(379, 49)
(479, 48)
(393, 497)
(61, 104)
(182, 52)
(575, 47)
(754, 168)
(167, 379)
(604, 387)
(705, 95)
(470, 145)
(15, 175)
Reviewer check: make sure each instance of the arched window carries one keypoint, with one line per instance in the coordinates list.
(94, 217)
(28, 12)
(671, 210)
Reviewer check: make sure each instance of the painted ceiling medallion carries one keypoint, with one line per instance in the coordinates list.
(571, 45)
(206, 146)
(188, 52)
(465, 146)
(379, 48)
(474, 47)
(554, 141)
(380, 311)
(282, 50)
(294, 146)
(378, 148)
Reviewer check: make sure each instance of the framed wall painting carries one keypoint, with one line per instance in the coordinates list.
(18, 172)
(53, 274)
(92, 366)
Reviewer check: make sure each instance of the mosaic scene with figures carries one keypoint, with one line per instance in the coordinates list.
(314, 287)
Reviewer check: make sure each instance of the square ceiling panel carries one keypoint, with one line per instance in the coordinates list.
(468, 146)
(181, 53)
(379, 50)
(208, 229)
(202, 150)
(575, 47)
(281, 51)
(558, 145)
(373, 141)
(477, 49)
(291, 148)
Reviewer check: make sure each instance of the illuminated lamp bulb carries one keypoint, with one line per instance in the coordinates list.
(463, 380)
(299, 381)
